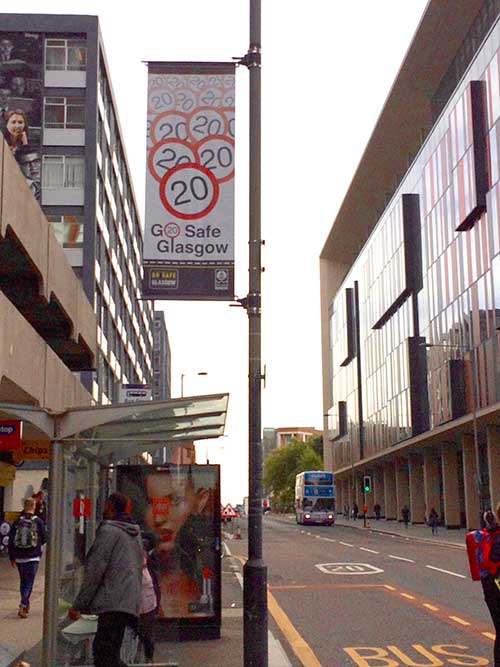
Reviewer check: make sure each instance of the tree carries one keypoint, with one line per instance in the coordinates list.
(281, 467)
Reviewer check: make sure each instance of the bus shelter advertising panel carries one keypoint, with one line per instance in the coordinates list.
(178, 509)
(189, 226)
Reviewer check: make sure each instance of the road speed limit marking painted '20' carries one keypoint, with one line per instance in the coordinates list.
(348, 568)
(189, 191)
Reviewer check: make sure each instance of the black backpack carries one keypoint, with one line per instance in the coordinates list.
(26, 534)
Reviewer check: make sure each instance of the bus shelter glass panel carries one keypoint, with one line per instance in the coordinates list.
(178, 509)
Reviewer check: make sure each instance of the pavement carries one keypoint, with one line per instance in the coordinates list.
(451, 537)
(21, 639)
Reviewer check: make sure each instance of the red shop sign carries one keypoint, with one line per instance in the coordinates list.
(11, 433)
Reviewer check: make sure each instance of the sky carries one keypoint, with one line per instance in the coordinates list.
(327, 68)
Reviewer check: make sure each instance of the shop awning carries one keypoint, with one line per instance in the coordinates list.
(115, 432)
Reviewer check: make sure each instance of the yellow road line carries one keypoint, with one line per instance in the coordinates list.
(459, 620)
(430, 606)
(389, 588)
(490, 635)
(300, 647)
(407, 595)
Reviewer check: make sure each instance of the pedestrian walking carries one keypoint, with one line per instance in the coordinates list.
(377, 509)
(150, 597)
(490, 576)
(405, 513)
(355, 510)
(26, 538)
(433, 521)
(112, 582)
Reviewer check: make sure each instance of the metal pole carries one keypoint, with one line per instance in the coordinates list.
(254, 571)
(52, 565)
(182, 385)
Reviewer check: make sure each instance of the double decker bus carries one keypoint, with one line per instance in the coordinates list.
(315, 497)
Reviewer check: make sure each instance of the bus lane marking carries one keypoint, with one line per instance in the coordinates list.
(453, 574)
(444, 613)
(299, 645)
(459, 620)
(436, 656)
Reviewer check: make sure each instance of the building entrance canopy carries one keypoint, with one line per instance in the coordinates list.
(112, 433)
(85, 441)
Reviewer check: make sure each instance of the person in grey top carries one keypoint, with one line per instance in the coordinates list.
(111, 586)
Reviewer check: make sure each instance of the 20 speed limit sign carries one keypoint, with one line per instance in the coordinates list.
(189, 191)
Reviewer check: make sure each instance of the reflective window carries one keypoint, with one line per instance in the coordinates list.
(65, 54)
(64, 112)
(68, 229)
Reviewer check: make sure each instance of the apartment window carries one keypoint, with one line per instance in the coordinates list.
(65, 54)
(64, 112)
(63, 171)
(68, 229)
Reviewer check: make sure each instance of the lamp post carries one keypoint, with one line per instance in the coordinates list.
(475, 392)
(183, 375)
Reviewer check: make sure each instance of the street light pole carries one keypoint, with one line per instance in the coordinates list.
(183, 375)
(255, 652)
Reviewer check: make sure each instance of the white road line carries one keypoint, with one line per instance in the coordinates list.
(453, 574)
(406, 560)
(346, 544)
(328, 539)
(228, 552)
(369, 550)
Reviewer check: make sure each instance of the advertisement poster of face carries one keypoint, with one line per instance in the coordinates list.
(176, 507)
(21, 57)
(189, 229)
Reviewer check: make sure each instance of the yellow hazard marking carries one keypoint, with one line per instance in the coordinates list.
(459, 620)
(407, 595)
(300, 647)
(430, 606)
(489, 635)
(389, 588)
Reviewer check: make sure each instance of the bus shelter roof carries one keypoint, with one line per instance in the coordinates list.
(115, 432)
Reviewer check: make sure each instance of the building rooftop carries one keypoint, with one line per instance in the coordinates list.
(405, 119)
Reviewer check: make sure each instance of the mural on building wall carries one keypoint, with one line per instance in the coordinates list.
(21, 59)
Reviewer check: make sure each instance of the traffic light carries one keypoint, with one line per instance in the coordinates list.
(367, 483)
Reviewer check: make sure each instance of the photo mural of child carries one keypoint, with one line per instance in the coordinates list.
(177, 504)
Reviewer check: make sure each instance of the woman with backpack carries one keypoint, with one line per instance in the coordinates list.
(26, 538)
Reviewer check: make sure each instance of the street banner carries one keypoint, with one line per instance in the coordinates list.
(189, 225)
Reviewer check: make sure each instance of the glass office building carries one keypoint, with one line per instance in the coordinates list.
(411, 321)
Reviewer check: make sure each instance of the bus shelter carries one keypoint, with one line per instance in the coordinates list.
(86, 445)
